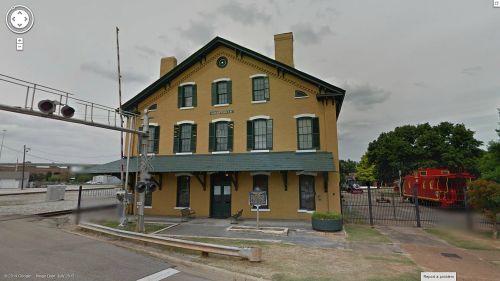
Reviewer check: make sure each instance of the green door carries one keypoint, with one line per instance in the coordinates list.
(220, 206)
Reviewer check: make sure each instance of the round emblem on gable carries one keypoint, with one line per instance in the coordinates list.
(222, 62)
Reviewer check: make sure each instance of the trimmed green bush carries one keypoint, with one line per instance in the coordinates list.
(326, 216)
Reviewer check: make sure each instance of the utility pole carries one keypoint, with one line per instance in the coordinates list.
(25, 149)
(1, 147)
(123, 219)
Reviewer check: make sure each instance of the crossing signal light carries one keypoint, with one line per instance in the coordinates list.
(47, 106)
(151, 186)
(140, 187)
(67, 111)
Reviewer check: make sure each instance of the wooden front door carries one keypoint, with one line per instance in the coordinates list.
(220, 199)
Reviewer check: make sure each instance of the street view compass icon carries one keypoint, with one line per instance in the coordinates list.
(19, 19)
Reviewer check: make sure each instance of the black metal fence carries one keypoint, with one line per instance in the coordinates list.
(95, 199)
(386, 206)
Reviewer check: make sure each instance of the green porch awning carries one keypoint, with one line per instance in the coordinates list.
(231, 162)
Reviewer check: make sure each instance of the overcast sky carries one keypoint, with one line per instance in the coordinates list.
(401, 62)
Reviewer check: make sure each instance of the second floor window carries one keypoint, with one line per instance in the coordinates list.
(308, 133)
(153, 145)
(221, 92)
(186, 96)
(185, 138)
(221, 136)
(260, 134)
(260, 88)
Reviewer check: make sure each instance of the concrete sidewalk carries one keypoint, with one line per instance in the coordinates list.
(427, 251)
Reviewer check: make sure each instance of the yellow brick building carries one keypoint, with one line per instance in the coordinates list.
(227, 121)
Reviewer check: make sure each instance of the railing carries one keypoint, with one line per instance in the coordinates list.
(252, 254)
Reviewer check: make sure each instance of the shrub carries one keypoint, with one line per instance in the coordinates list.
(326, 216)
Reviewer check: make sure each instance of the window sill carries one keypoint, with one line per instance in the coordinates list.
(304, 211)
(221, 105)
(148, 207)
(220, 152)
(305, 150)
(260, 210)
(259, 101)
(182, 208)
(151, 154)
(186, 107)
(183, 153)
(262, 150)
(301, 98)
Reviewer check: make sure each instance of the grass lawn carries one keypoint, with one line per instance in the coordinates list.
(359, 232)
(149, 227)
(460, 240)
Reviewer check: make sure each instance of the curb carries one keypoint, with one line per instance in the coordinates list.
(207, 271)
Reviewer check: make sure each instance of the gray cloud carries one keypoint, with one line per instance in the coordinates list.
(146, 51)
(109, 73)
(473, 70)
(307, 34)
(246, 14)
(364, 96)
(198, 32)
(421, 84)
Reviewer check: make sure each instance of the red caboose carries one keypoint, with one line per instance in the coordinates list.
(437, 185)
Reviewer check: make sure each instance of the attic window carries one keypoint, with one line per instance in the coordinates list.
(300, 94)
(153, 107)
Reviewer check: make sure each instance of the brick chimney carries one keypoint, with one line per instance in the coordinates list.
(167, 64)
(283, 48)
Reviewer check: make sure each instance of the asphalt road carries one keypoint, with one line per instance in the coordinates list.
(34, 249)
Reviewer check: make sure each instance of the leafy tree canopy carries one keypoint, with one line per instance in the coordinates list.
(489, 163)
(346, 167)
(365, 172)
(410, 147)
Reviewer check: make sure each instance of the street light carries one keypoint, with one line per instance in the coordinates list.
(25, 149)
(1, 146)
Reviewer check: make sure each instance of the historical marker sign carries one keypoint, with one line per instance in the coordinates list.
(257, 198)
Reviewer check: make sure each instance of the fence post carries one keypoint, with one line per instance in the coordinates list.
(77, 221)
(370, 204)
(468, 215)
(415, 201)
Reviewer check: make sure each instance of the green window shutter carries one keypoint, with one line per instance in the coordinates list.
(214, 93)
(253, 89)
(156, 144)
(193, 138)
(211, 137)
(315, 130)
(229, 92)
(179, 97)
(230, 133)
(266, 86)
(194, 96)
(269, 134)
(249, 135)
(176, 138)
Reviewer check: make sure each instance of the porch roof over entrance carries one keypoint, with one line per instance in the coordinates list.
(231, 162)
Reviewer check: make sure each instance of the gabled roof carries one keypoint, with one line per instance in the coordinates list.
(327, 90)
(243, 162)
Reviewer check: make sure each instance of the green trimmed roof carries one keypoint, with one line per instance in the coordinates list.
(327, 90)
(264, 161)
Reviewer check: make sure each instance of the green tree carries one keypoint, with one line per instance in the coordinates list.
(489, 163)
(485, 196)
(346, 167)
(365, 172)
(410, 147)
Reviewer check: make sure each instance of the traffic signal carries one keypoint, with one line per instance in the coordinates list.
(47, 106)
(140, 187)
(67, 111)
(151, 186)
